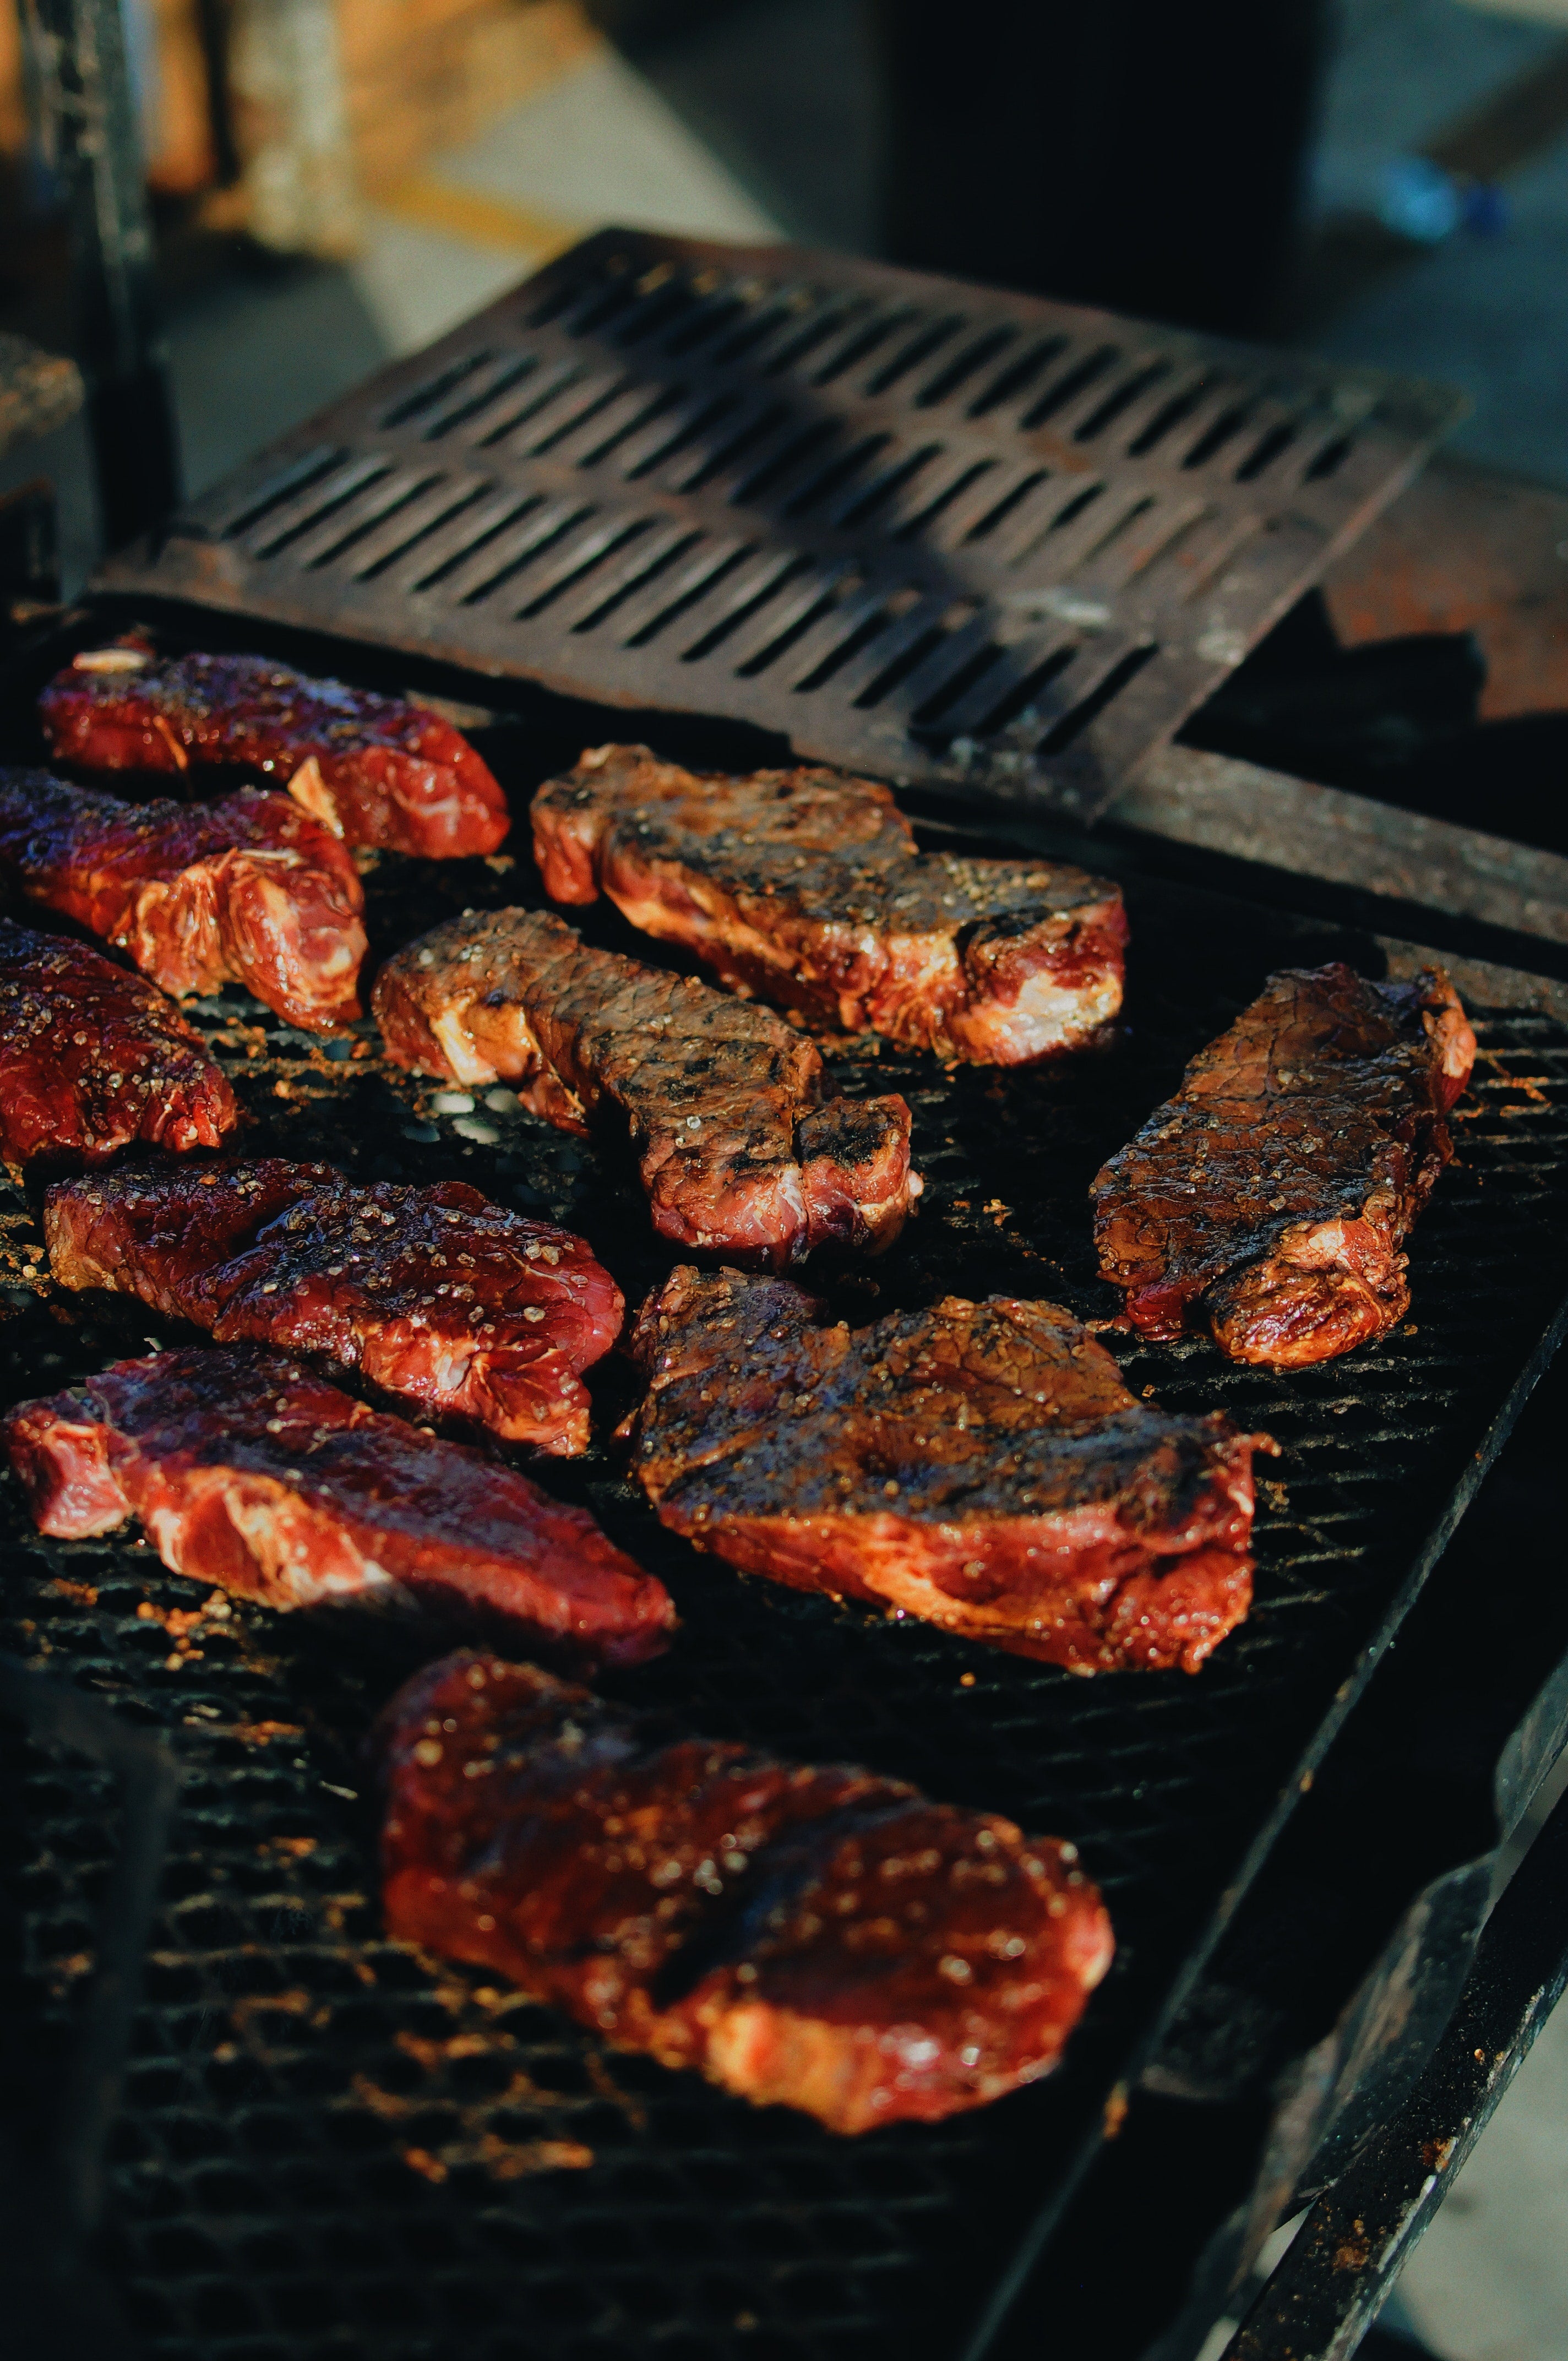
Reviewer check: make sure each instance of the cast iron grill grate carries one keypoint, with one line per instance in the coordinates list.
(944, 535)
(333, 2146)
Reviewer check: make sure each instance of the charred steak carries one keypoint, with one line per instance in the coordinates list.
(979, 1465)
(722, 1101)
(438, 1296)
(1268, 1200)
(249, 1471)
(250, 890)
(92, 1057)
(819, 1937)
(806, 887)
(377, 770)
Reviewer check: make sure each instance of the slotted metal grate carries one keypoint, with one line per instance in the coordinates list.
(944, 535)
(335, 2146)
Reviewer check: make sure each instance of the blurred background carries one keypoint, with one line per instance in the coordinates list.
(333, 183)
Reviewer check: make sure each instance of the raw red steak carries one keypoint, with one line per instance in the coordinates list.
(93, 1058)
(248, 891)
(377, 770)
(723, 1102)
(806, 887)
(1267, 1201)
(819, 1937)
(436, 1295)
(980, 1464)
(249, 1471)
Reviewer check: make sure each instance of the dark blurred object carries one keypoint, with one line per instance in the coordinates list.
(30, 555)
(54, 2132)
(38, 391)
(1398, 719)
(1128, 153)
(86, 133)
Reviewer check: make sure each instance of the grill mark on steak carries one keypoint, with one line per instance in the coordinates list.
(981, 1466)
(820, 1937)
(251, 890)
(806, 887)
(375, 770)
(435, 1295)
(1268, 1200)
(93, 1058)
(249, 1471)
(720, 1098)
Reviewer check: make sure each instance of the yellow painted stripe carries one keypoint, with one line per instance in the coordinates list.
(433, 205)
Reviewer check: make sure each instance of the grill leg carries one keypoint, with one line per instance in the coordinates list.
(1127, 152)
(88, 131)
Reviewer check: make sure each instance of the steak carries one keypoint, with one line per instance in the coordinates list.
(436, 1296)
(981, 1465)
(92, 1057)
(375, 770)
(819, 1937)
(722, 1101)
(249, 1471)
(251, 890)
(806, 887)
(1268, 1200)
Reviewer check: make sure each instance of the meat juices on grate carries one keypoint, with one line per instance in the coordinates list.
(435, 1295)
(249, 1471)
(377, 770)
(93, 1056)
(722, 1101)
(1268, 1200)
(815, 1937)
(981, 1466)
(250, 890)
(806, 887)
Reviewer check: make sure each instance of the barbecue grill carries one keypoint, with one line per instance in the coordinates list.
(329, 2144)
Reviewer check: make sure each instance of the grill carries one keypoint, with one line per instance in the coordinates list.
(331, 2144)
(947, 536)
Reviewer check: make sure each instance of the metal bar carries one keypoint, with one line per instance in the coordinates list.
(1326, 2293)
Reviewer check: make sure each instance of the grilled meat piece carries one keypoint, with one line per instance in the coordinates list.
(249, 1471)
(437, 1296)
(819, 1937)
(805, 888)
(1268, 1200)
(377, 770)
(248, 891)
(720, 1099)
(92, 1057)
(979, 1465)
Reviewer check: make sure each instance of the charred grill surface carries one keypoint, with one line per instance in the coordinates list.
(93, 1057)
(980, 1464)
(806, 887)
(249, 1471)
(377, 770)
(251, 890)
(825, 1937)
(1269, 1199)
(436, 1295)
(722, 1101)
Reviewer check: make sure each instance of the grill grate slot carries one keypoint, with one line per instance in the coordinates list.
(837, 408)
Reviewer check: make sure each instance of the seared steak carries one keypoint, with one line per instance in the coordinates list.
(438, 1296)
(806, 887)
(249, 891)
(93, 1056)
(249, 1471)
(980, 1464)
(819, 1937)
(377, 770)
(720, 1100)
(1268, 1200)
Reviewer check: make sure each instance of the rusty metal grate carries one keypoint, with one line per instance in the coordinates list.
(944, 535)
(334, 2146)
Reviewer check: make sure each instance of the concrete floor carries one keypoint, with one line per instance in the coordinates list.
(762, 124)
